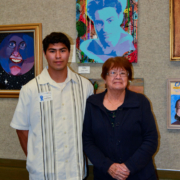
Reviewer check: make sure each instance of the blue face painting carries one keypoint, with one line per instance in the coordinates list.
(111, 39)
(107, 24)
(17, 53)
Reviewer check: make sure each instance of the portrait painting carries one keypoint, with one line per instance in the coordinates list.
(173, 121)
(18, 57)
(106, 28)
(174, 18)
(136, 85)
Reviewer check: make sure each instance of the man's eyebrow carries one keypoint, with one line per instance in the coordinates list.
(54, 49)
(63, 48)
(51, 49)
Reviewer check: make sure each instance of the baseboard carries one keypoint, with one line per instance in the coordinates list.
(168, 174)
(11, 169)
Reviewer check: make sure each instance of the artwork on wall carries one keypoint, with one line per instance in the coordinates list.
(173, 103)
(106, 28)
(20, 56)
(174, 30)
(136, 85)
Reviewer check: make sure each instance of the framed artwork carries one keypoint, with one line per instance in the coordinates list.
(173, 103)
(20, 56)
(136, 85)
(174, 30)
(106, 28)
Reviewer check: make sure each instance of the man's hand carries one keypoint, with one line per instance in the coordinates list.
(23, 138)
(119, 171)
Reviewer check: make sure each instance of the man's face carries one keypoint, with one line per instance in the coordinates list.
(107, 23)
(57, 56)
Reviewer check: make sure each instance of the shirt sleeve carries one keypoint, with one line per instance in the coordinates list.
(91, 89)
(20, 119)
(144, 153)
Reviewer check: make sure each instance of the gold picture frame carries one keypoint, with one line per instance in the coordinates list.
(174, 9)
(173, 103)
(27, 46)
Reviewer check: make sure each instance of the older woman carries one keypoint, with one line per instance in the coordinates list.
(119, 135)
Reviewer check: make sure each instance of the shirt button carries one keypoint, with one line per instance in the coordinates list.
(64, 118)
(62, 104)
(64, 132)
(65, 146)
(66, 161)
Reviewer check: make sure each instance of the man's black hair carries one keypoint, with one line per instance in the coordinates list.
(56, 37)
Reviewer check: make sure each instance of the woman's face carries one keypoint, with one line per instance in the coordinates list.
(117, 79)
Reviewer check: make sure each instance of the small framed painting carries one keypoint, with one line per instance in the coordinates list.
(20, 56)
(173, 103)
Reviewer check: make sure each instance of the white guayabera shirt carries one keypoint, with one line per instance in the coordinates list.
(53, 114)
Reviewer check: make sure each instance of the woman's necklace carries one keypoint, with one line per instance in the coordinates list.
(114, 104)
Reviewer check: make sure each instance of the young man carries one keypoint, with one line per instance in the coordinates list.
(49, 116)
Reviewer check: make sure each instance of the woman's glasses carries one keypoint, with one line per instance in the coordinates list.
(115, 73)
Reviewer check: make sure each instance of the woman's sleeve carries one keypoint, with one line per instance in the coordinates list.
(91, 150)
(144, 153)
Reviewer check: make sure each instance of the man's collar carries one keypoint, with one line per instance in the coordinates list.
(45, 78)
(72, 75)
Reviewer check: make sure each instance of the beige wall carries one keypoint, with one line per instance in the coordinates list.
(153, 64)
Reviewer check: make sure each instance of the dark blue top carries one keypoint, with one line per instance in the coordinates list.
(112, 116)
(132, 141)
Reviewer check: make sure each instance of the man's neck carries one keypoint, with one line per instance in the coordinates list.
(58, 76)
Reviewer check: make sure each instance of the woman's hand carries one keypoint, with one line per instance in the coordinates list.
(119, 171)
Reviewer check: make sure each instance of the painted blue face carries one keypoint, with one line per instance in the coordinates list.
(17, 53)
(107, 24)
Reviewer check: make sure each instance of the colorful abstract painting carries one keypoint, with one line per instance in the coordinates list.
(106, 28)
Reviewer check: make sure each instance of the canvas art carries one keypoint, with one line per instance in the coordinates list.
(20, 56)
(173, 105)
(136, 85)
(16, 59)
(174, 22)
(106, 28)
